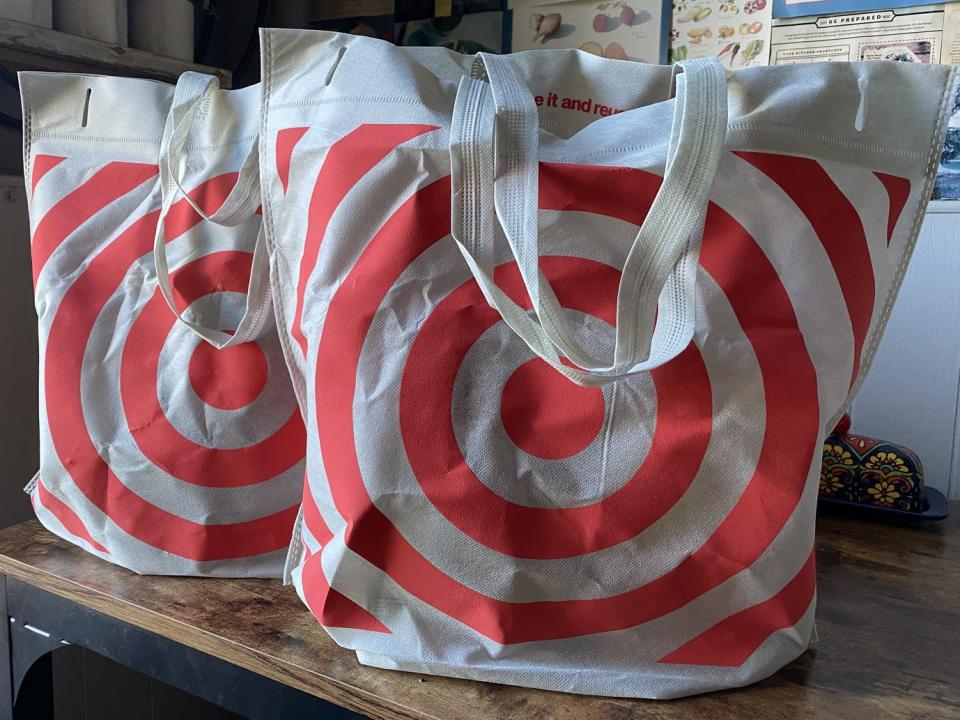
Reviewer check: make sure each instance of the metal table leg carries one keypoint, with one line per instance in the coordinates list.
(6, 674)
(40, 622)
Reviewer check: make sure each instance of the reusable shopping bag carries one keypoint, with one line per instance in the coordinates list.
(568, 333)
(158, 451)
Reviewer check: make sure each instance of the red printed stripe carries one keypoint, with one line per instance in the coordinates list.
(838, 226)
(287, 139)
(42, 164)
(730, 642)
(67, 517)
(157, 438)
(763, 308)
(898, 190)
(66, 344)
(683, 425)
(334, 609)
(346, 163)
(228, 379)
(209, 196)
(110, 183)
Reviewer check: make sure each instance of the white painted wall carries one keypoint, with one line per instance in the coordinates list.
(912, 393)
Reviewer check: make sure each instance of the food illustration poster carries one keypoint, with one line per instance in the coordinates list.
(618, 29)
(925, 34)
(735, 31)
(947, 184)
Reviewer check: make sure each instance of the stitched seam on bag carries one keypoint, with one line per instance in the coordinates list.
(292, 558)
(71, 137)
(391, 99)
(275, 279)
(886, 150)
(297, 545)
(618, 150)
(27, 119)
(296, 548)
(262, 303)
(32, 485)
(240, 141)
(278, 301)
(950, 92)
(296, 541)
(335, 134)
(136, 141)
(565, 124)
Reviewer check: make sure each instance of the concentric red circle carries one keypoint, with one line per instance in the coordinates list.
(229, 379)
(684, 408)
(66, 344)
(755, 292)
(535, 412)
(157, 438)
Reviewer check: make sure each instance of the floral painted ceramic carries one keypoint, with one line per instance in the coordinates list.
(871, 472)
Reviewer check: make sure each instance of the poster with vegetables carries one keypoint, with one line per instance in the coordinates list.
(620, 29)
(735, 31)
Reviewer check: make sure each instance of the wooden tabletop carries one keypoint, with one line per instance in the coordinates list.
(888, 617)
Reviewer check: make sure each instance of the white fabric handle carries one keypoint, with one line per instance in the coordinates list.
(494, 149)
(239, 206)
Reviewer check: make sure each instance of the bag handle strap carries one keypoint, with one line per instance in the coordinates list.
(239, 206)
(494, 150)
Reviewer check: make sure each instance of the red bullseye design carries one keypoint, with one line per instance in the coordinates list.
(535, 411)
(81, 454)
(426, 395)
(683, 425)
(184, 459)
(228, 379)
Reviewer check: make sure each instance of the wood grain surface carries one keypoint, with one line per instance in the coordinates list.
(888, 618)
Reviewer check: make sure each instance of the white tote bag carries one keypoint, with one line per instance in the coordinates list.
(159, 451)
(568, 333)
